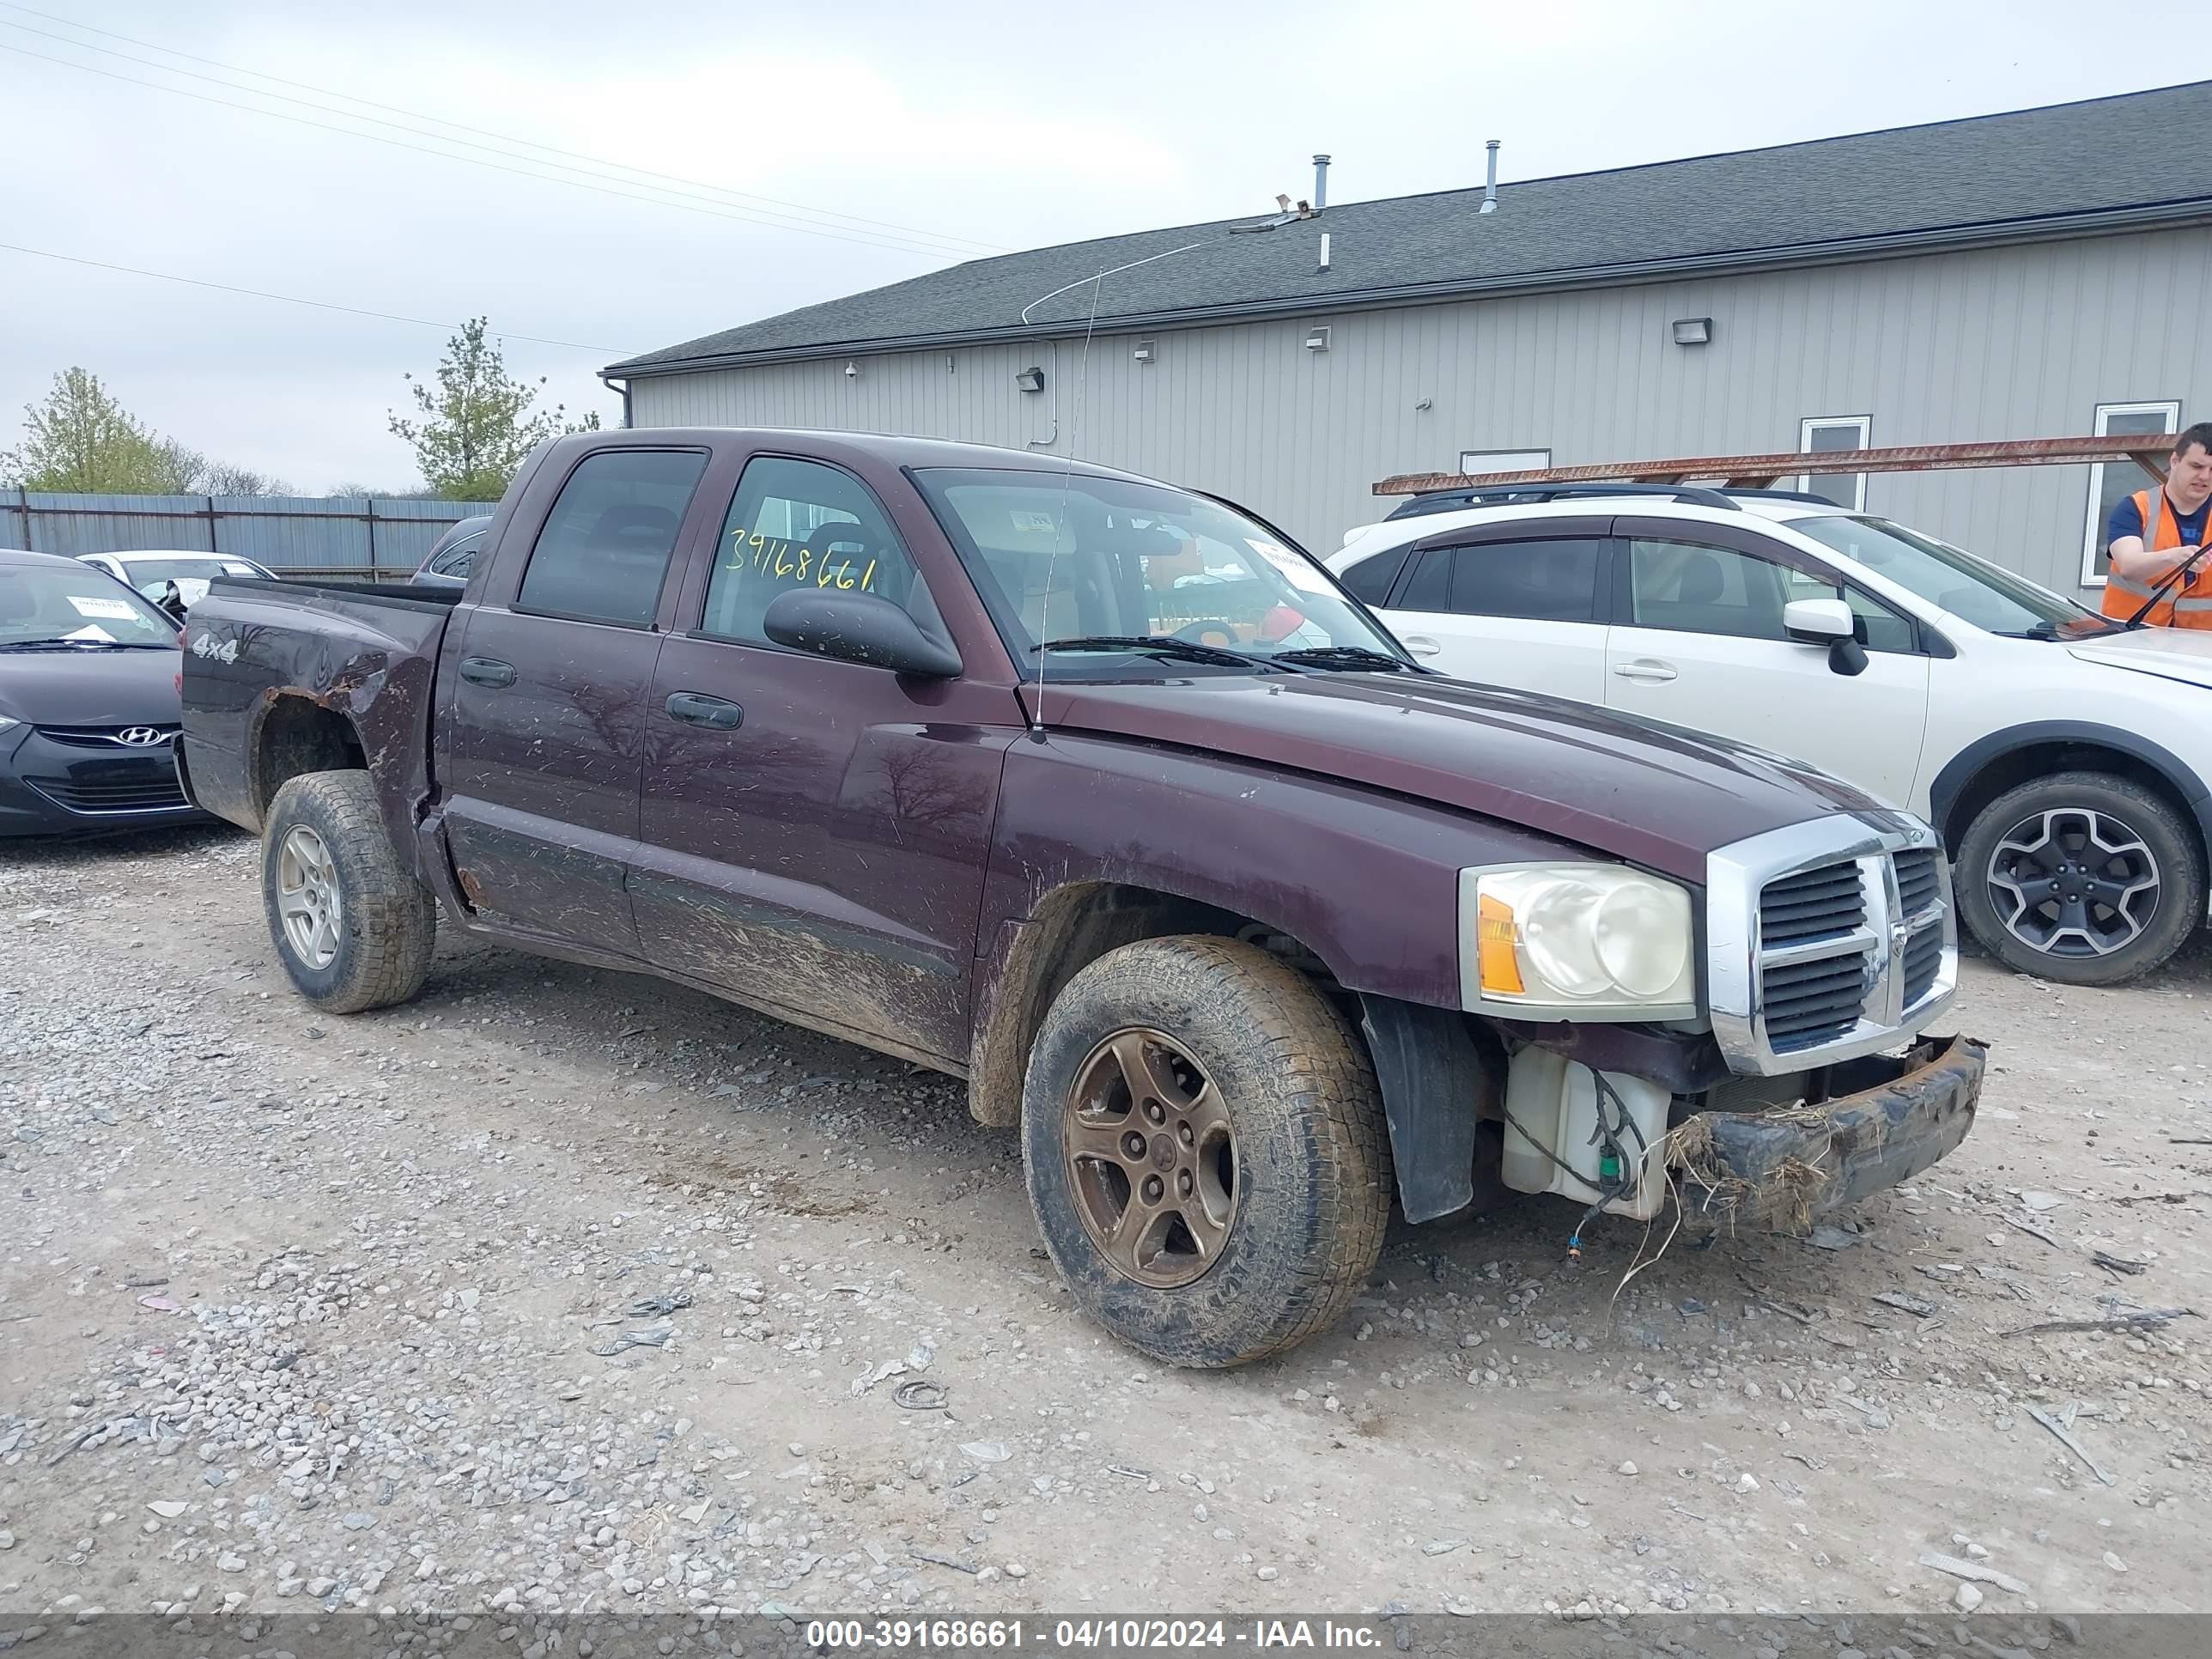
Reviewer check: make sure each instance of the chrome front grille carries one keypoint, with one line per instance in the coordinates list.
(1812, 904)
(1827, 939)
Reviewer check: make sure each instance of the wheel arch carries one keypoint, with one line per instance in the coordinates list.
(1438, 1073)
(294, 733)
(1069, 927)
(1987, 767)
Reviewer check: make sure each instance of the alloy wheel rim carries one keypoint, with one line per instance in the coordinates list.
(1152, 1158)
(2072, 882)
(307, 896)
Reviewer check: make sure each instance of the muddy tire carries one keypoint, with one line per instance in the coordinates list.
(351, 925)
(2082, 877)
(1205, 1150)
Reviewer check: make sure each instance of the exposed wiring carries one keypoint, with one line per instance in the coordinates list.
(1631, 1176)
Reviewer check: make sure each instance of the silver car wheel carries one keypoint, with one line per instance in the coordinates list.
(307, 896)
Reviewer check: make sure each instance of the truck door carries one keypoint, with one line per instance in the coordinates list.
(545, 695)
(814, 833)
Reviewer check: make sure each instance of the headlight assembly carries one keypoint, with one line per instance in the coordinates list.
(1576, 941)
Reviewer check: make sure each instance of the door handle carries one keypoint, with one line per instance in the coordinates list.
(487, 671)
(1644, 668)
(693, 708)
(1421, 644)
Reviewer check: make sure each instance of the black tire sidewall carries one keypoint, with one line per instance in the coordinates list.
(2180, 905)
(308, 801)
(1258, 1296)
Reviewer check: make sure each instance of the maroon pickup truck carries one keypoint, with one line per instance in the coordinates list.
(1102, 795)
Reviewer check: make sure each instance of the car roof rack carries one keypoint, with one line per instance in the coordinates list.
(1805, 495)
(1449, 501)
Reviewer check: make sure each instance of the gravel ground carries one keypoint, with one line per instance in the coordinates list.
(565, 1290)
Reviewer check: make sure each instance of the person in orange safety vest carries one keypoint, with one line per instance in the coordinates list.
(2154, 531)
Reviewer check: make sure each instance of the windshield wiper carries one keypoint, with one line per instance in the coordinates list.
(2046, 630)
(1347, 656)
(81, 645)
(1162, 645)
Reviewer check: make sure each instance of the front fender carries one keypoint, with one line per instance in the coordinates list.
(1367, 881)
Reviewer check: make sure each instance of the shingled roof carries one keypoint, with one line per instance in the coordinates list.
(2106, 164)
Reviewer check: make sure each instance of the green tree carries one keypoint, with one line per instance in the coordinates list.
(82, 441)
(472, 431)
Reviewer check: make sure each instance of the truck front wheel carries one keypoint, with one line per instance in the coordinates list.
(1205, 1150)
(351, 925)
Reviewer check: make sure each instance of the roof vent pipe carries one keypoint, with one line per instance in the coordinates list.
(1320, 183)
(1490, 189)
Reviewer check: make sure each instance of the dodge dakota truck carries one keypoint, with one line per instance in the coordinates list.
(1103, 796)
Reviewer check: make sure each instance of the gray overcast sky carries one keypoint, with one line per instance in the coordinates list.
(1009, 125)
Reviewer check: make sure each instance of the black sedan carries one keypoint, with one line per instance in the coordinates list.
(88, 709)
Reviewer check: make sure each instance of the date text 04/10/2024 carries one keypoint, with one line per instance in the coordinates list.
(1085, 1635)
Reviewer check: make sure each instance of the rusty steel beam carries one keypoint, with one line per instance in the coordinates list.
(1759, 471)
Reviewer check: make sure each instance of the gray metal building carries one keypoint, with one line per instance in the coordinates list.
(2028, 275)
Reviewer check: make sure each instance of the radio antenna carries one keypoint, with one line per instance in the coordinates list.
(1067, 476)
(1059, 519)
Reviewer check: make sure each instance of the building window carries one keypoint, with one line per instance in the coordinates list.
(1830, 435)
(1475, 461)
(2112, 482)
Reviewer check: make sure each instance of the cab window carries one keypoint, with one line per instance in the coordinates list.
(799, 524)
(604, 552)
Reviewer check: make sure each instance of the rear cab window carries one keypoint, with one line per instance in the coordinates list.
(604, 549)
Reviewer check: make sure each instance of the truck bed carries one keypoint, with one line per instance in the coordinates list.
(283, 658)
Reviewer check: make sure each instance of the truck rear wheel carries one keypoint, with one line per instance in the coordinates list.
(1205, 1150)
(351, 925)
(2083, 878)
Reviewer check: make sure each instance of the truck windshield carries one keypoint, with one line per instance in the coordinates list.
(1105, 579)
(1971, 589)
(45, 607)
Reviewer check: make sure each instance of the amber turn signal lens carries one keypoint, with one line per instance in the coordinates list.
(1493, 931)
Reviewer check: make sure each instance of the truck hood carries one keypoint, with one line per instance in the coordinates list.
(1653, 794)
(2172, 653)
(90, 688)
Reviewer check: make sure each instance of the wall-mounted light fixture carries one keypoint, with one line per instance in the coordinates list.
(1693, 331)
(1317, 339)
(1030, 379)
(852, 371)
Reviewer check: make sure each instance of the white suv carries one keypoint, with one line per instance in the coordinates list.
(2064, 758)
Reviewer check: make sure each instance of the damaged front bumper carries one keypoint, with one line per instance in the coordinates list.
(1885, 1120)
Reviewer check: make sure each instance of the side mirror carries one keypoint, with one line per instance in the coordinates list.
(1817, 621)
(862, 628)
(1829, 622)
